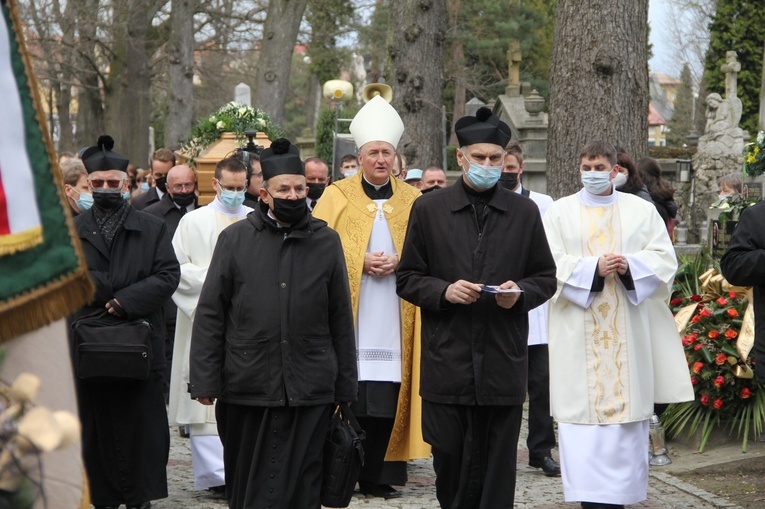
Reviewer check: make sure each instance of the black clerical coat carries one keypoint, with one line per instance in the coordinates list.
(274, 318)
(125, 439)
(744, 264)
(474, 354)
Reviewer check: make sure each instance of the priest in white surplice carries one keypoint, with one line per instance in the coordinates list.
(194, 242)
(614, 349)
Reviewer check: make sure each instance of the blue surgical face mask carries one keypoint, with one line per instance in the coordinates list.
(483, 177)
(350, 173)
(596, 182)
(126, 195)
(84, 202)
(232, 200)
(144, 186)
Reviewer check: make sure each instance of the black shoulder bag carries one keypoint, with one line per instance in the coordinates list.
(343, 458)
(112, 347)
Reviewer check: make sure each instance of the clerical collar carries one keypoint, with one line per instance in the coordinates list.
(596, 200)
(377, 192)
(483, 193)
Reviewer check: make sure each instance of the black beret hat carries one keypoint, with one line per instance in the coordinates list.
(101, 157)
(485, 127)
(281, 158)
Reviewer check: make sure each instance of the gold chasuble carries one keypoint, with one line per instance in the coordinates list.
(614, 352)
(351, 213)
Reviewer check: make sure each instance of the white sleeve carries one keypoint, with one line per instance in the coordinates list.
(645, 280)
(577, 288)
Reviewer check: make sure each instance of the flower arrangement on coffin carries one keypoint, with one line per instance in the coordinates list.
(26, 431)
(754, 156)
(717, 326)
(233, 117)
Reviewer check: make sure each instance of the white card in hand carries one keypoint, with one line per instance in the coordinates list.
(497, 289)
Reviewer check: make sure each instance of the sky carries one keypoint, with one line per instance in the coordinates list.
(663, 58)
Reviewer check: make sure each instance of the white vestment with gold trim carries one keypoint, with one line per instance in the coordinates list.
(615, 352)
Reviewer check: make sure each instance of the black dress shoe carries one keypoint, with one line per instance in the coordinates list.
(596, 505)
(548, 465)
(379, 490)
(106, 506)
(143, 505)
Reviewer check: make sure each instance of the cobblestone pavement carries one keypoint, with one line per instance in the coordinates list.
(533, 489)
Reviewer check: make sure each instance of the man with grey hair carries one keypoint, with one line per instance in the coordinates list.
(370, 211)
(125, 440)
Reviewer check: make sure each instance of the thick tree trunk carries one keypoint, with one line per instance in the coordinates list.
(64, 95)
(180, 55)
(415, 49)
(313, 102)
(598, 85)
(90, 108)
(128, 96)
(460, 87)
(279, 35)
(761, 123)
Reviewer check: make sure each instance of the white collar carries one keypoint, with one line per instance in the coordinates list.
(377, 188)
(596, 200)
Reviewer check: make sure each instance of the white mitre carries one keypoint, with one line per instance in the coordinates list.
(377, 121)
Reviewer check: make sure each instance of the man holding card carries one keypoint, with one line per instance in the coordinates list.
(473, 370)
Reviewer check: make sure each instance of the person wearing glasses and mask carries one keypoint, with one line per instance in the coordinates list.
(272, 343)
(474, 366)
(179, 199)
(125, 439)
(194, 242)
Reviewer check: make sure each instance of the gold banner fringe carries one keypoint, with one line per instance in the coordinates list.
(15, 242)
(44, 304)
(56, 299)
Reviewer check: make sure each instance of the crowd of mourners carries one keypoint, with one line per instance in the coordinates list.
(434, 309)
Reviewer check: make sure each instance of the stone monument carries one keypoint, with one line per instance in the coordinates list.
(523, 110)
(720, 149)
(243, 94)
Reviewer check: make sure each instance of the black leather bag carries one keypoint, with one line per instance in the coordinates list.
(343, 458)
(108, 346)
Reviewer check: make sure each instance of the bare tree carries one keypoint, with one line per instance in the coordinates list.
(416, 53)
(279, 35)
(688, 32)
(599, 84)
(180, 56)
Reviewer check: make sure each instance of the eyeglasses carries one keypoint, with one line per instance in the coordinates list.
(231, 188)
(111, 184)
(179, 188)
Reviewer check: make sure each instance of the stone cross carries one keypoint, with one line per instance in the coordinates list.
(242, 94)
(513, 88)
(731, 67)
(514, 63)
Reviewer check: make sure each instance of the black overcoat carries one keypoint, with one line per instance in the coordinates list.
(140, 271)
(477, 353)
(125, 439)
(743, 264)
(274, 318)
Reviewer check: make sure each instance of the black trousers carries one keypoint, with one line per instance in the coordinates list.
(474, 453)
(541, 437)
(375, 410)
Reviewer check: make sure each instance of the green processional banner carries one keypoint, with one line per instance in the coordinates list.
(43, 276)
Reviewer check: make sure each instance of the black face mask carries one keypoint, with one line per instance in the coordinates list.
(315, 190)
(184, 199)
(161, 184)
(107, 200)
(428, 190)
(289, 211)
(509, 180)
